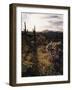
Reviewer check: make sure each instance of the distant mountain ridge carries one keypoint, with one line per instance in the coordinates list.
(44, 31)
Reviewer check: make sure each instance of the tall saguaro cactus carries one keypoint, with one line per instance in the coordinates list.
(35, 59)
(25, 27)
(34, 33)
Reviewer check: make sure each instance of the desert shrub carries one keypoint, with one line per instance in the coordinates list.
(49, 59)
(51, 70)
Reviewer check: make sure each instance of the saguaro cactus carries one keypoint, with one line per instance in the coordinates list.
(25, 27)
(35, 59)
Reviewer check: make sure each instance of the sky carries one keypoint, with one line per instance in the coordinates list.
(49, 21)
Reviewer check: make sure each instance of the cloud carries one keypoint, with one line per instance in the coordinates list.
(52, 15)
(56, 22)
